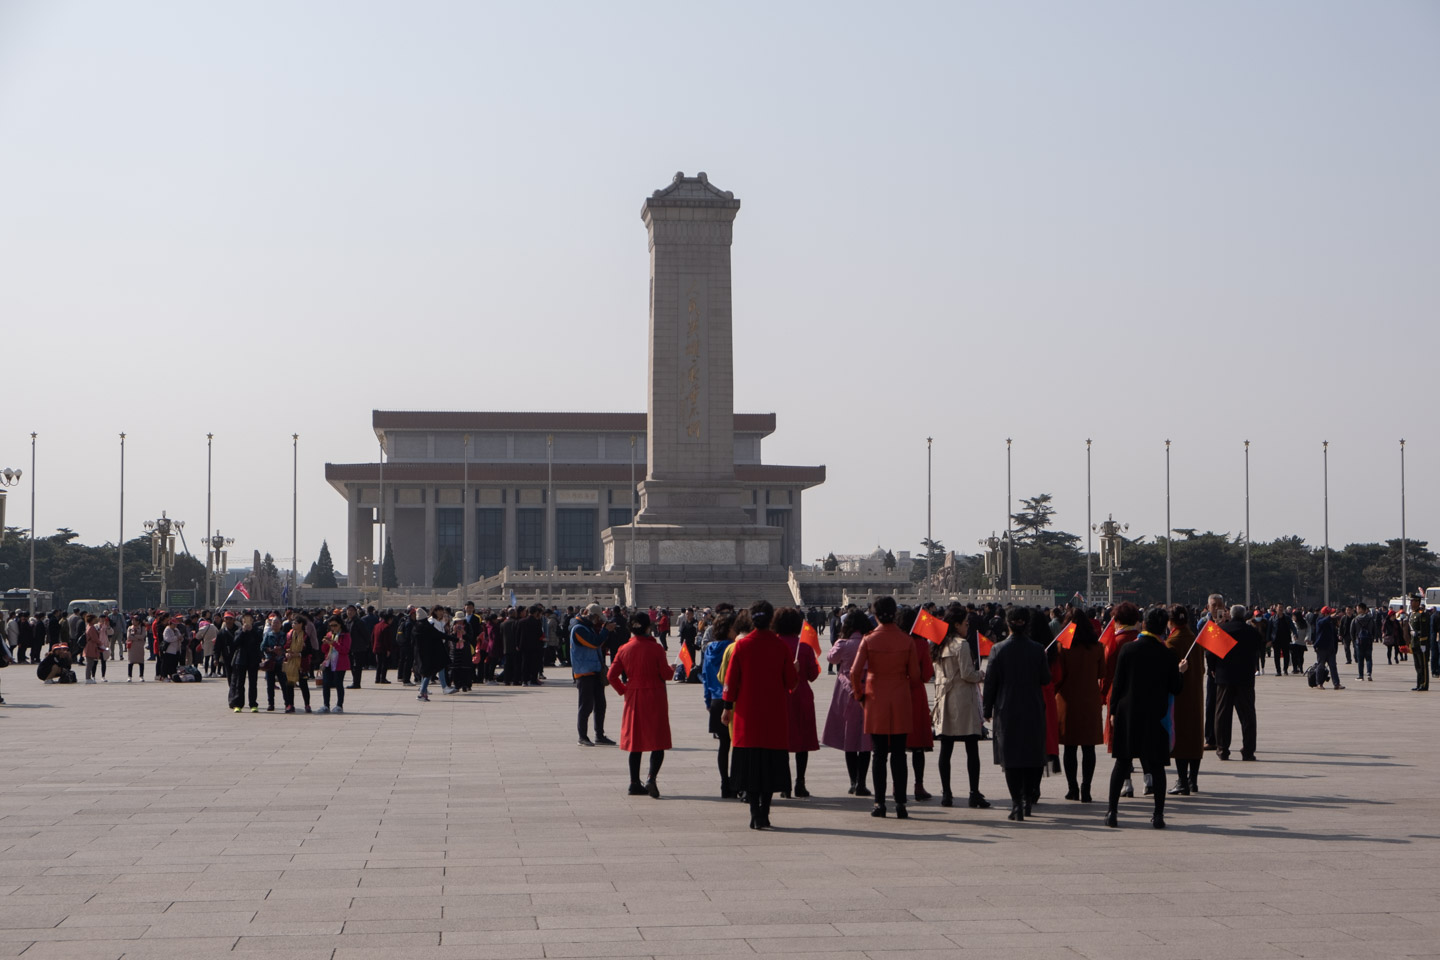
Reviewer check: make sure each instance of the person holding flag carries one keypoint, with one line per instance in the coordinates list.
(1079, 671)
(791, 626)
(1188, 714)
(1146, 677)
(956, 714)
(925, 631)
(1123, 628)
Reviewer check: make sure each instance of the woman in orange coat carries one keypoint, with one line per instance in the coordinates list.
(638, 674)
(757, 699)
(885, 666)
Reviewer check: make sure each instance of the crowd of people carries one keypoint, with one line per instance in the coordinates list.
(1047, 687)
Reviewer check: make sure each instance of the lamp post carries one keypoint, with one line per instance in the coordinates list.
(1168, 533)
(8, 478)
(1325, 450)
(32, 524)
(1247, 523)
(162, 550)
(929, 460)
(549, 497)
(219, 560)
(209, 472)
(1110, 548)
(1009, 538)
(465, 518)
(992, 561)
(1087, 522)
(294, 516)
(120, 544)
(631, 555)
(384, 546)
(1404, 582)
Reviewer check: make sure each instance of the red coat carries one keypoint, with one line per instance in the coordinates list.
(803, 736)
(639, 674)
(886, 664)
(761, 675)
(922, 734)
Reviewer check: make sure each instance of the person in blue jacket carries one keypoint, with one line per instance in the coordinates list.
(722, 634)
(587, 665)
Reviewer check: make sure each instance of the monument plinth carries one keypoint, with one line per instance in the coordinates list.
(692, 529)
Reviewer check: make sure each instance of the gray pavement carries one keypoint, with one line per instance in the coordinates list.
(142, 821)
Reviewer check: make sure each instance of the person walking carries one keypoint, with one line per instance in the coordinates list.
(1014, 699)
(886, 664)
(789, 621)
(135, 648)
(334, 663)
(1126, 623)
(713, 685)
(1079, 672)
(1235, 684)
(956, 713)
(638, 674)
(845, 720)
(1282, 631)
(758, 682)
(1326, 641)
(587, 667)
(1189, 714)
(1146, 677)
(430, 651)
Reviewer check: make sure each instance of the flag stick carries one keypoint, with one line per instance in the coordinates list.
(228, 596)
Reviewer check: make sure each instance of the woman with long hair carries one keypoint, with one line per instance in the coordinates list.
(135, 648)
(334, 664)
(1014, 683)
(1126, 622)
(956, 715)
(845, 721)
(1189, 745)
(722, 632)
(1080, 669)
(885, 666)
(758, 682)
(291, 672)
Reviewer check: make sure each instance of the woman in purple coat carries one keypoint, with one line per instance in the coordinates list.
(845, 722)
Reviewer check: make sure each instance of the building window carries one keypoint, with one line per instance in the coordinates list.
(575, 538)
(781, 519)
(490, 541)
(449, 535)
(619, 516)
(530, 538)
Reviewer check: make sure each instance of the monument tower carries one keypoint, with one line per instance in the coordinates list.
(692, 535)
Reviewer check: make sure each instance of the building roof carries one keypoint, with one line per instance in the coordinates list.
(485, 474)
(761, 423)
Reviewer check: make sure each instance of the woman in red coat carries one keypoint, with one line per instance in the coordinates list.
(921, 738)
(885, 666)
(757, 688)
(804, 740)
(638, 674)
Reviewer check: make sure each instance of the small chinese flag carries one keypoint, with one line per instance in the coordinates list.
(1066, 636)
(686, 659)
(930, 627)
(1215, 640)
(984, 643)
(810, 638)
(1107, 638)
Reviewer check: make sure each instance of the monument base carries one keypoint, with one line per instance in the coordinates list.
(699, 565)
(681, 503)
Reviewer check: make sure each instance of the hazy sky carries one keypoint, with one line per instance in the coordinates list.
(1048, 221)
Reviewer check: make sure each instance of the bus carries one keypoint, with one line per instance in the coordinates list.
(1432, 598)
(97, 607)
(19, 599)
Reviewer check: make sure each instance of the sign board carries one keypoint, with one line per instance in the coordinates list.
(180, 599)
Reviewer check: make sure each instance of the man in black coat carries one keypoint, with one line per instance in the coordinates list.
(1235, 685)
(531, 633)
(1282, 628)
(1146, 677)
(245, 664)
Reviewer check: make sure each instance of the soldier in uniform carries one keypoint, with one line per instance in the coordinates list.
(1419, 642)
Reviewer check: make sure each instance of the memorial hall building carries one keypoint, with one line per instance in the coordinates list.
(491, 490)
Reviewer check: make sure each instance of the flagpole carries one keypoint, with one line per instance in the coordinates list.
(1088, 550)
(1325, 447)
(1168, 533)
(1404, 582)
(1009, 538)
(1247, 523)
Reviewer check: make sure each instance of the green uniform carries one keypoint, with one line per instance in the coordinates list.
(1420, 647)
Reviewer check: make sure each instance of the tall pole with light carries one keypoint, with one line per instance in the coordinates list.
(8, 478)
(1404, 582)
(1111, 544)
(294, 517)
(631, 554)
(209, 553)
(162, 550)
(220, 555)
(465, 518)
(384, 546)
(550, 514)
(1247, 523)
(1168, 533)
(1087, 523)
(929, 548)
(120, 544)
(1325, 452)
(32, 523)
(1009, 537)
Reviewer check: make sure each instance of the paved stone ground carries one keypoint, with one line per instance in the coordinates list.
(149, 821)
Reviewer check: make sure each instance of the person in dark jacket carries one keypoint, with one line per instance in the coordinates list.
(1014, 698)
(245, 664)
(1235, 685)
(510, 646)
(531, 633)
(382, 645)
(1282, 630)
(430, 652)
(1146, 677)
(1364, 628)
(1326, 641)
(405, 645)
(361, 638)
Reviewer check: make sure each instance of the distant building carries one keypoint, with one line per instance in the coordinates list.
(526, 490)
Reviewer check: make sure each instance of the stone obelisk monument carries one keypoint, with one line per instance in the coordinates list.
(692, 535)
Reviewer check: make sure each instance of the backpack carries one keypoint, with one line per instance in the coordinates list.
(1363, 629)
(1316, 675)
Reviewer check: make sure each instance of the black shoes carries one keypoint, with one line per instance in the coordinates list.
(946, 800)
(603, 740)
(878, 810)
(1157, 820)
(727, 792)
(978, 802)
(921, 794)
(862, 791)
(585, 742)
(1111, 819)
(1085, 793)
(652, 789)
(636, 790)
(1017, 813)
(1073, 793)
(900, 812)
(800, 790)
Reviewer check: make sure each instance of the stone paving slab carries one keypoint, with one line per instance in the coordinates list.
(147, 821)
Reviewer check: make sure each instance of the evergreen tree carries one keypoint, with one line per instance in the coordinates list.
(388, 578)
(322, 571)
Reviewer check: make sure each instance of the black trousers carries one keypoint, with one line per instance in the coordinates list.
(1365, 656)
(592, 701)
(238, 676)
(1240, 699)
(1418, 655)
(888, 747)
(404, 661)
(530, 654)
(1297, 658)
(1281, 652)
(512, 662)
